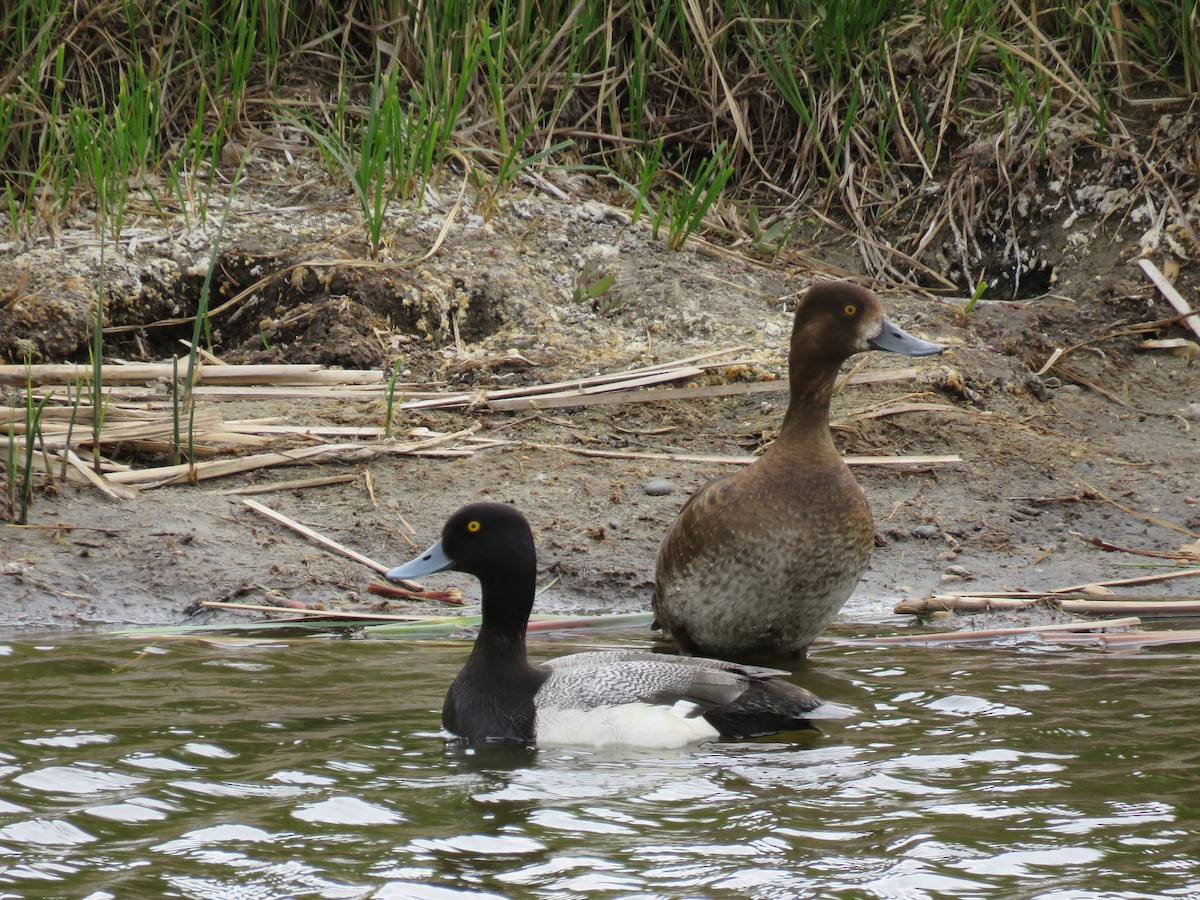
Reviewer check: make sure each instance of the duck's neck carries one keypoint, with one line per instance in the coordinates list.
(805, 426)
(507, 602)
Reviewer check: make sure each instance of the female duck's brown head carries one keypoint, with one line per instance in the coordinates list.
(834, 320)
(759, 562)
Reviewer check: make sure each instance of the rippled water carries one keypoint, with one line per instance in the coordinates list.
(314, 768)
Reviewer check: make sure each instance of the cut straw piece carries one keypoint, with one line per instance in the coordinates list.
(1049, 364)
(1173, 296)
(210, 358)
(1189, 347)
(542, 399)
(312, 431)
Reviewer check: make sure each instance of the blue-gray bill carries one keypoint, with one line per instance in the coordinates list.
(895, 339)
(432, 560)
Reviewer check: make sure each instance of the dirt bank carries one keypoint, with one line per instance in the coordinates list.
(1103, 444)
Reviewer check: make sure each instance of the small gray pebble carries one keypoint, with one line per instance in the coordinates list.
(926, 531)
(659, 487)
(1191, 412)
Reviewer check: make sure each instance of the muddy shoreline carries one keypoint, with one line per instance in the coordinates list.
(1103, 444)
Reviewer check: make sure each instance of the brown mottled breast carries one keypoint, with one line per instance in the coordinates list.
(759, 562)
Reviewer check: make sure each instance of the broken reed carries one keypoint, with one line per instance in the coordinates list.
(812, 102)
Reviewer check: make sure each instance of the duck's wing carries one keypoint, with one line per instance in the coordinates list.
(621, 677)
(707, 507)
(600, 657)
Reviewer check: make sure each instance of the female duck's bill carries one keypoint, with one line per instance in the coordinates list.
(758, 563)
(896, 340)
(625, 697)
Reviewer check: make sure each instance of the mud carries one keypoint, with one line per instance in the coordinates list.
(1103, 444)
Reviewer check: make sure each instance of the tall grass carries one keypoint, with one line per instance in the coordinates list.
(817, 102)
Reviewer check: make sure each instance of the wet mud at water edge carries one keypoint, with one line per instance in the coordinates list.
(1104, 443)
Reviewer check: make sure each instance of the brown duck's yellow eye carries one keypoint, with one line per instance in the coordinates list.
(473, 526)
(850, 309)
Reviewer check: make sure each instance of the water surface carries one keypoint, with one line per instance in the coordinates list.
(132, 767)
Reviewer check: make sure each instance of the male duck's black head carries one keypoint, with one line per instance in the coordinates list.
(480, 539)
(836, 319)
(491, 541)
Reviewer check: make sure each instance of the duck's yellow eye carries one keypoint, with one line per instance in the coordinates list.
(473, 526)
(850, 309)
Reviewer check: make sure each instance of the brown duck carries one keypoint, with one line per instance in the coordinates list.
(759, 562)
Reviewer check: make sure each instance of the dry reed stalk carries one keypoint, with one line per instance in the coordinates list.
(1134, 640)
(1132, 512)
(297, 484)
(780, 385)
(301, 614)
(1181, 555)
(122, 425)
(289, 392)
(1186, 572)
(97, 480)
(114, 412)
(700, 360)
(598, 384)
(451, 597)
(577, 399)
(19, 375)
(989, 634)
(1160, 607)
(896, 409)
(151, 433)
(318, 538)
(1191, 320)
(210, 358)
(167, 475)
(740, 460)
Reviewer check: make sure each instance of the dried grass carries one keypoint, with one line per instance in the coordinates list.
(929, 129)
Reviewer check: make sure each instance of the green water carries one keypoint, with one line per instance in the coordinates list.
(132, 768)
